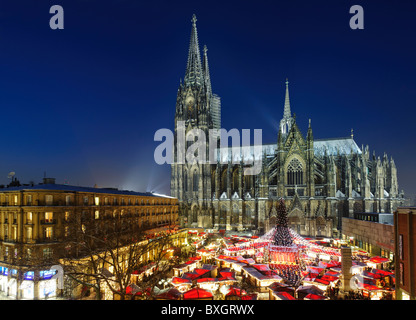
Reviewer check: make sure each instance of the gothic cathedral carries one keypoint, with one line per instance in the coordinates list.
(321, 181)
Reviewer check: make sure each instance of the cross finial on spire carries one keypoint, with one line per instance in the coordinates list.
(205, 71)
(286, 111)
(193, 74)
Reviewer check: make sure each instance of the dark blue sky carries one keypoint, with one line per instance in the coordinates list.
(83, 103)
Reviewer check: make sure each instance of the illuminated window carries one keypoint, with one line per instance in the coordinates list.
(29, 233)
(97, 214)
(48, 216)
(66, 216)
(29, 217)
(48, 233)
(97, 201)
(14, 233)
(15, 200)
(48, 199)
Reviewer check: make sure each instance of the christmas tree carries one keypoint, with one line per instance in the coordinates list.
(282, 235)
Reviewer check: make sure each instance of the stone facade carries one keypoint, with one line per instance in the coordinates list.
(322, 181)
(37, 222)
(376, 238)
(405, 248)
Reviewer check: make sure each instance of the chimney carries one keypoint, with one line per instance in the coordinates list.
(48, 180)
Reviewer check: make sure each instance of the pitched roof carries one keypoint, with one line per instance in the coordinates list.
(345, 146)
(332, 146)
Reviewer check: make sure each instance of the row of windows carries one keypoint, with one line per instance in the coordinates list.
(28, 233)
(69, 200)
(10, 253)
(48, 217)
(48, 233)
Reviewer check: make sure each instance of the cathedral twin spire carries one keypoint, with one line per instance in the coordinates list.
(286, 113)
(197, 73)
(195, 97)
(287, 120)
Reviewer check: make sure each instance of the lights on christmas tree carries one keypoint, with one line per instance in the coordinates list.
(282, 236)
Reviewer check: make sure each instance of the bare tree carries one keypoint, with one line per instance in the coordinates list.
(111, 254)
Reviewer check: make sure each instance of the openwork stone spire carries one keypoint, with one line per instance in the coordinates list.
(206, 72)
(286, 113)
(286, 122)
(193, 75)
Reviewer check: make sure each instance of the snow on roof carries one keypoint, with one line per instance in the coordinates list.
(332, 146)
(69, 188)
(248, 153)
(339, 194)
(245, 153)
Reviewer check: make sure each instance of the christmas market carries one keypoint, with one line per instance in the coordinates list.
(278, 265)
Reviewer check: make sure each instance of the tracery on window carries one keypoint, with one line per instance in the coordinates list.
(294, 172)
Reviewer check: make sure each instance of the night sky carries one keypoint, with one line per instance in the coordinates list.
(82, 104)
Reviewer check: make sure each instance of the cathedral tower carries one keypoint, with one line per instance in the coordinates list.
(197, 110)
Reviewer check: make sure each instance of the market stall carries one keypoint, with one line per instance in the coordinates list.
(378, 262)
(169, 294)
(282, 296)
(303, 291)
(198, 294)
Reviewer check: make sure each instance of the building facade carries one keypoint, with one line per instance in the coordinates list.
(321, 180)
(405, 248)
(36, 223)
(369, 234)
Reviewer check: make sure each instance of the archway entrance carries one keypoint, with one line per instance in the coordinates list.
(320, 227)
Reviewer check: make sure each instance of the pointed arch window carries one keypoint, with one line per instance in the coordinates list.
(185, 181)
(195, 181)
(295, 172)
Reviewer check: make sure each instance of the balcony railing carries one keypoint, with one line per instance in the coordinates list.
(48, 221)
